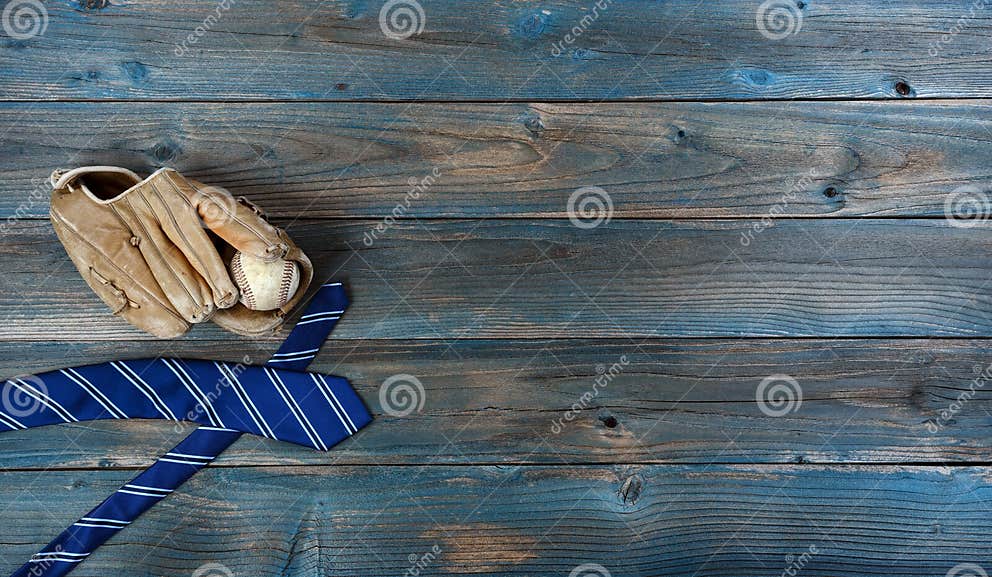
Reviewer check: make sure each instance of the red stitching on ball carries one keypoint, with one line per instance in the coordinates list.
(287, 280)
(242, 280)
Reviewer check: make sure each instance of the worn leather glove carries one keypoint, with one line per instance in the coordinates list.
(151, 248)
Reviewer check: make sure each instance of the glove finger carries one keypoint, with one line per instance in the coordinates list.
(237, 222)
(99, 245)
(167, 193)
(182, 283)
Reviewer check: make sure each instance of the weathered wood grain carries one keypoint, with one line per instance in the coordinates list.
(469, 160)
(509, 320)
(683, 49)
(451, 280)
(585, 401)
(377, 521)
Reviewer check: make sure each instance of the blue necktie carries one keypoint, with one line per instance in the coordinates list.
(277, 400)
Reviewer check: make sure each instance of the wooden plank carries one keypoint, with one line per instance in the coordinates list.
(629, 279)
(372, 521)
(585, 401)
(468, 160)
(548, 49)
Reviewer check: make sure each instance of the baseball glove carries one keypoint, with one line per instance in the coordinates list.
(152, 248)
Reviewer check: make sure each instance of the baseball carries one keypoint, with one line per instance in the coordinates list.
(264, 285)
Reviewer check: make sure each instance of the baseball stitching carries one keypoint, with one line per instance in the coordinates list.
(287, 280)
(242, 281)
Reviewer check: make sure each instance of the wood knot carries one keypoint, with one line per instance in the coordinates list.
(608, 420)
(533, 124)
(834, 196)
(165, 151)
(89, 5)
(755, 77)
(903, 89)
(630, 490)
(136, 71)
(532, 26)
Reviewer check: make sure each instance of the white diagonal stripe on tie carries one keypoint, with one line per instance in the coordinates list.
(11, 422)
(94, 392)
(316, 320)
(44, 399)
(294, 408)
(249, 405)
(145, 389)
(295, 353)
(332, 401)
(194, 391)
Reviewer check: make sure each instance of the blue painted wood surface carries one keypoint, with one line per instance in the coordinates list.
(656, 160)
(527, 49)
(770, 358)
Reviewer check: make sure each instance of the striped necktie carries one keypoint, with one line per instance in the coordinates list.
(277, 400)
